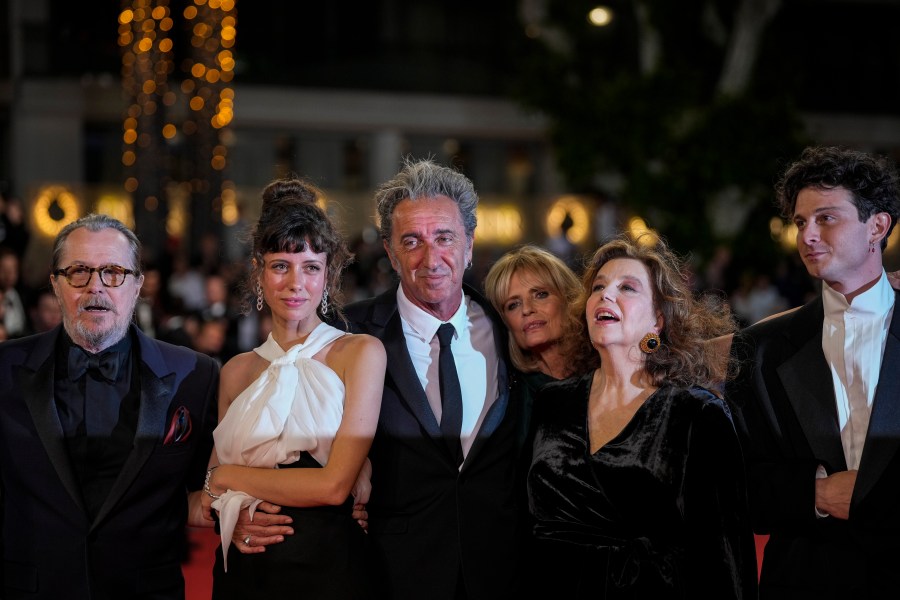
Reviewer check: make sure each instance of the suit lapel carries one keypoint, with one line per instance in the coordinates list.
(810, 389)
(157, 388)
(384, 322)
(883, 437)
(36, 377)
(499, 408)
(401, 370)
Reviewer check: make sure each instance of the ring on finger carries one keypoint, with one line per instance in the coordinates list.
(247, 541)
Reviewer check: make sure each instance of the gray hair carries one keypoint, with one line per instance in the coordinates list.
(95, 222)
(423, 179)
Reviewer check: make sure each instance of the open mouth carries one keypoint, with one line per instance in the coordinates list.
(605, 316)
(95, 308)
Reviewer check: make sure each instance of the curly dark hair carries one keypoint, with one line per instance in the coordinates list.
(685, 357)
(553, 274)
(290, 221)
(871, 180)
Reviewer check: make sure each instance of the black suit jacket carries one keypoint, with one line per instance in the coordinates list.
(427, 519)
(133, 548)
(784, 407)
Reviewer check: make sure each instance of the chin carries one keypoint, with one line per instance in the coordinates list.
(99, 337)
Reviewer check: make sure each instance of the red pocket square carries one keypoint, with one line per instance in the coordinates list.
(180, 427)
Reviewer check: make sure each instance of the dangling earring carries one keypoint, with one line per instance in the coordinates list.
(871, 247)
(325, 303)
(650, 343)
(259, 297)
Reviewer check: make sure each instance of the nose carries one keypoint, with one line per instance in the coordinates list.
(809, 234)
(430, 257)
(526, 307)
(295, 282)
(94, 285)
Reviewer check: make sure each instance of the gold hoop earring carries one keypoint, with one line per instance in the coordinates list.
(650, 343)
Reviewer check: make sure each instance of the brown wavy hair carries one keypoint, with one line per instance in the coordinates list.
(559, 279)
(291, 220)
(685, 357)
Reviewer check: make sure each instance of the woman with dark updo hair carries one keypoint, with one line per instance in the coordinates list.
(296, 415)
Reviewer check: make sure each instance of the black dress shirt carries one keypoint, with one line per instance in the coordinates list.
(98, 416)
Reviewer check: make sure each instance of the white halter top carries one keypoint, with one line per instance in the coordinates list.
(295, 405)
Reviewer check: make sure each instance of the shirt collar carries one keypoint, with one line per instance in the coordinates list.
(425, 324)
(874, 302)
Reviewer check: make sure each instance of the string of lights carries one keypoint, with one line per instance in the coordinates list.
(175, 134)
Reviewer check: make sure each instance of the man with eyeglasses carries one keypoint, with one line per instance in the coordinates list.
(103, 433)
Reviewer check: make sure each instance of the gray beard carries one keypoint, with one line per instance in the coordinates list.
(95, 341)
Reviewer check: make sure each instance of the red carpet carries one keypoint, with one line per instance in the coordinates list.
(198, 570)
(760, 546)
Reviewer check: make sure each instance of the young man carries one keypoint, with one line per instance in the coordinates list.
(817, 397)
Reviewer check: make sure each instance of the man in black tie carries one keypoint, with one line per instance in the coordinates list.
(816, 400)
(441, 513)
(103, 432)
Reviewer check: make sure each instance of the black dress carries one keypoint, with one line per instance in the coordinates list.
(658, 512)
(322, 560)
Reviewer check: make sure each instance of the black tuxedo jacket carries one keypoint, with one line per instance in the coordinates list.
(134, 546)
(784, 407)
(428, 520)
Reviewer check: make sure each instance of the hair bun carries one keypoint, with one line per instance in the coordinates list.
(288, 191)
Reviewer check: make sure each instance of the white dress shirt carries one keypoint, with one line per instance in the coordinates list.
(14, 318)
(474, 353)
(853, 339)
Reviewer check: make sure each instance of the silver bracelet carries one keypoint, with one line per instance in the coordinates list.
(206, 483)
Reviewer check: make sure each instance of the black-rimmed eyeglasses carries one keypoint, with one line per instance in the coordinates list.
(79, 276)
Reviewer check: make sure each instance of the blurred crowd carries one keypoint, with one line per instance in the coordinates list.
(203, 303)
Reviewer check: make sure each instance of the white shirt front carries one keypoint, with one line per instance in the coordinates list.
(474, 353)
(14, 314)
(853, 339)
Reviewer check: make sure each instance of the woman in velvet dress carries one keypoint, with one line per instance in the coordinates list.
(296, 417)
(635, 484)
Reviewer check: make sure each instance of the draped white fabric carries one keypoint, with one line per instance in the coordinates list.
(295, 405)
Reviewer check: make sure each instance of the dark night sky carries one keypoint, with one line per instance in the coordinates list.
(841, 56)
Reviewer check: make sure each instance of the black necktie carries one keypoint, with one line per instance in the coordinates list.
(451, 395)
(105, 363)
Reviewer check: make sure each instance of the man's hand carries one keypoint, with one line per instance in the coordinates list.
(196, 515)
(833, 493)
(266, 528)
(361, 491)
(362, 516)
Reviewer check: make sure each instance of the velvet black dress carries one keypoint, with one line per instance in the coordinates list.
(658, 512)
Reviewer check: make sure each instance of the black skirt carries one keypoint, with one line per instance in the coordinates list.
(324, 558)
